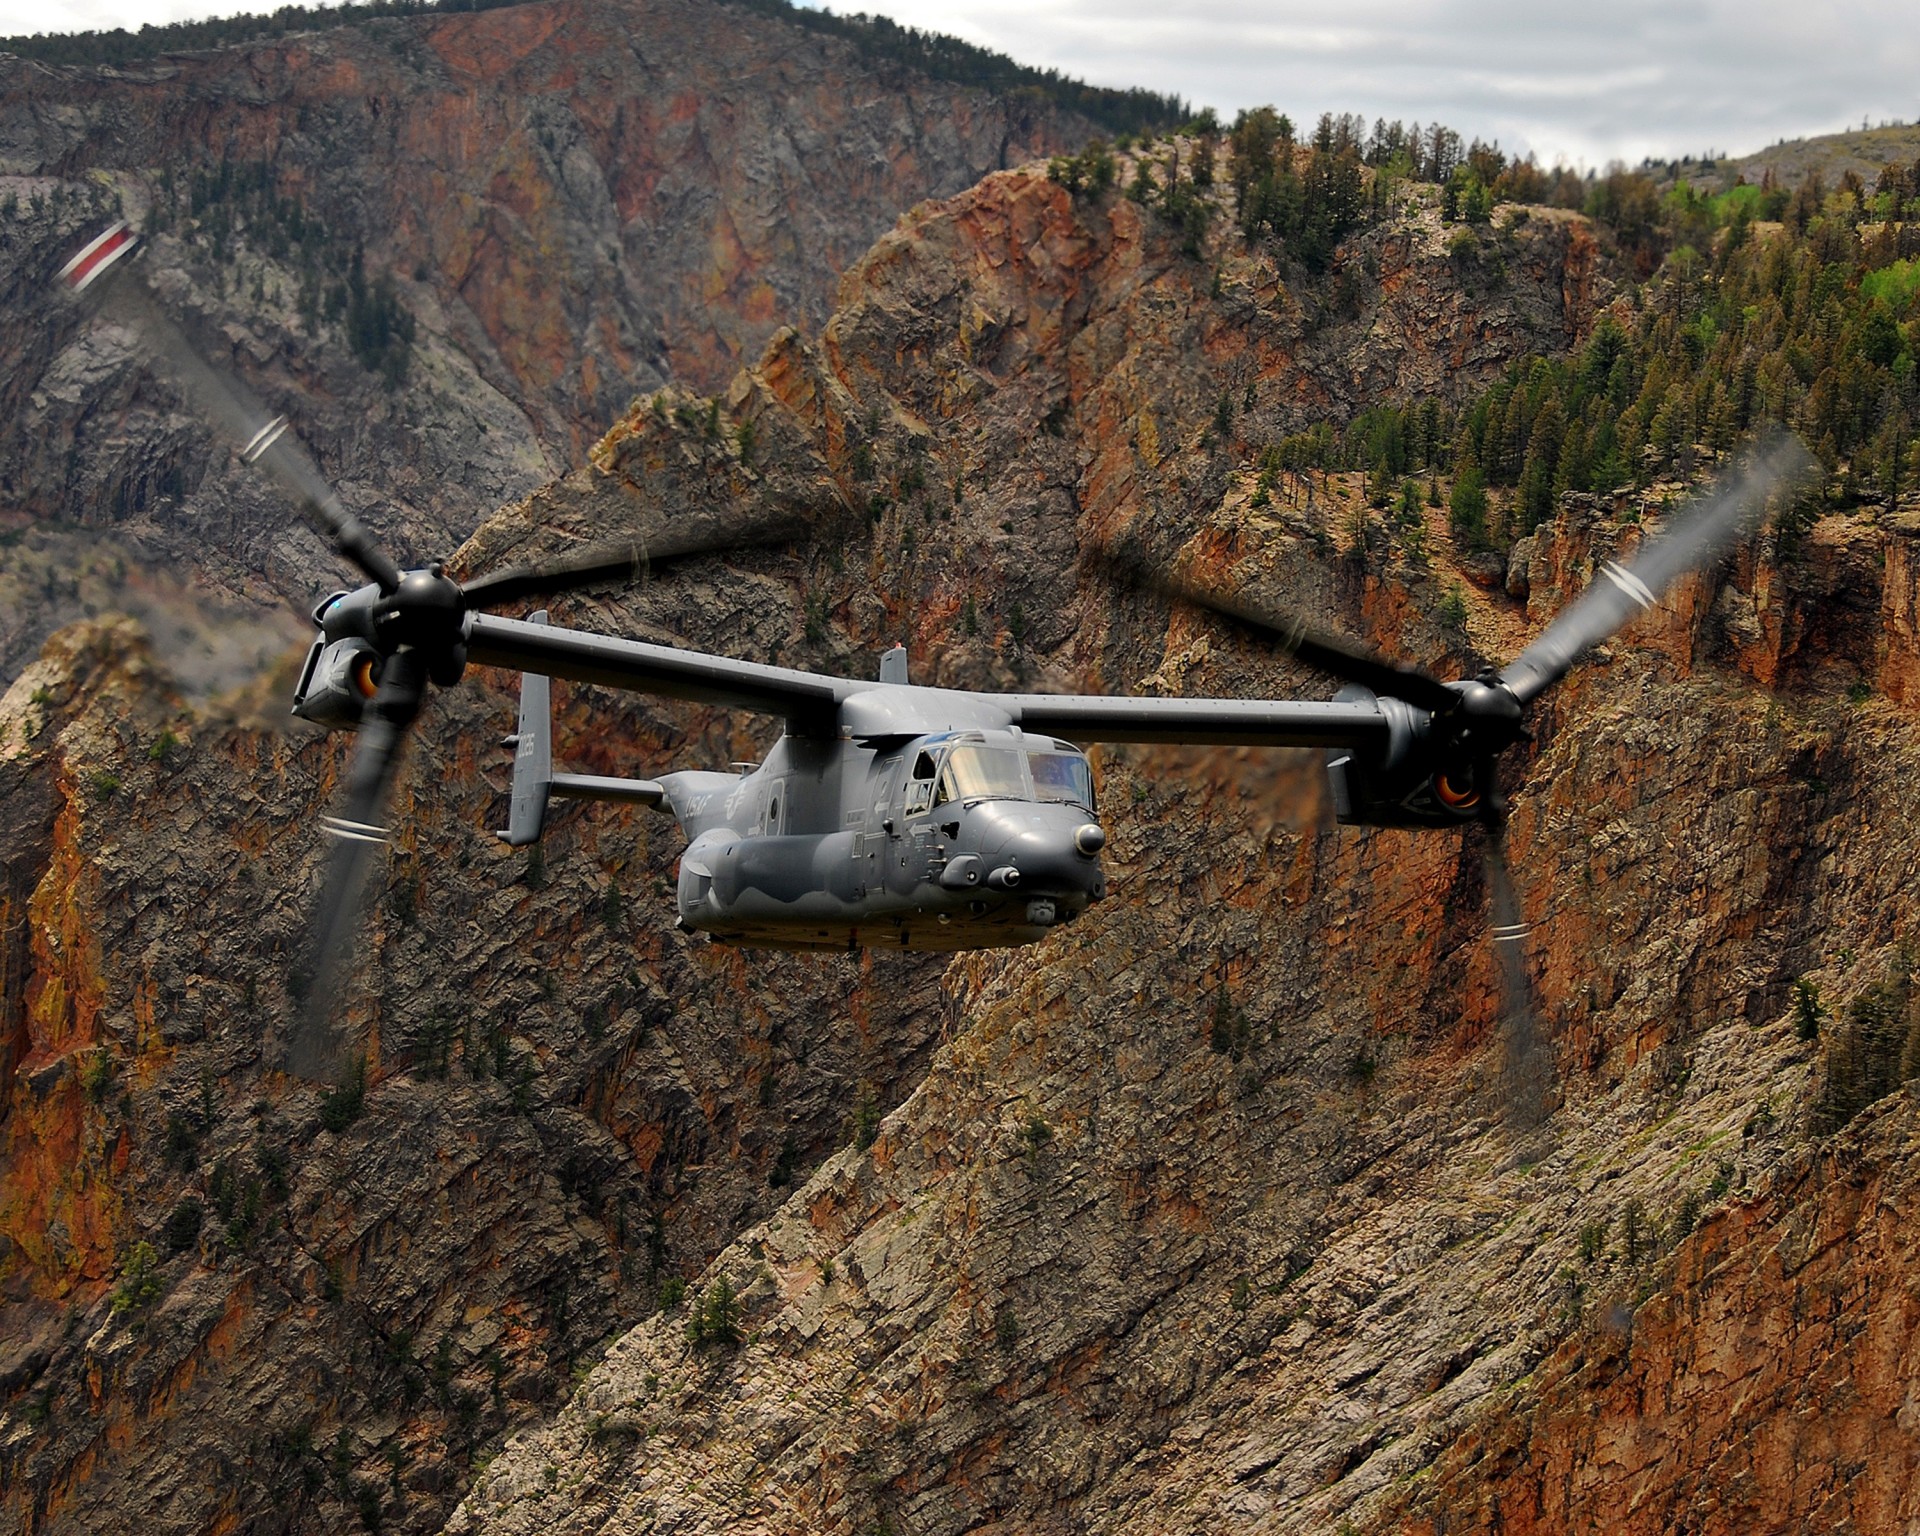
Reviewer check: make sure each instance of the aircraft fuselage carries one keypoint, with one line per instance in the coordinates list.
(945, 841)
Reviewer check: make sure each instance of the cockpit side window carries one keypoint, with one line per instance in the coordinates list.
(920, 786)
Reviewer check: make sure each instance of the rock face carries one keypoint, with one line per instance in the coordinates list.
(1203, 1214)
(1206, 1214)
(1766, 1387)
(571, 202)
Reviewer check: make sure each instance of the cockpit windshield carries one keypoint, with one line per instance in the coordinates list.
(1065, 777)
(983, 773)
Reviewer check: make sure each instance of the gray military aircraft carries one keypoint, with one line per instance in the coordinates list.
(886, 814)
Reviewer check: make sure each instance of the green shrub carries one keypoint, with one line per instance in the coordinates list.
(345, 1104)
(1808, 1011)
(1872, 1052)
(139, 1281)
(182, 1145)
(1635, 1237)
(1231, 1032)
(866, 1120)
(1467, 509)
(97, 1067)
(1686, 1215)
(716, 1320)
(183, 1226)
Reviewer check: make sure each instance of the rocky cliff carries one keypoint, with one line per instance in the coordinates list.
(1205, 1213)
(453, 247)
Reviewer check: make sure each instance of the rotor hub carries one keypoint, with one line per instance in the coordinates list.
(426, 611)
(1488, 719)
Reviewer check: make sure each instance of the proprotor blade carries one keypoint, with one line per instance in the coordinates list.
(627, 559)
(1620, 592)
(1526, 1058)
(261, 438)
(314, 1051)
(1343, 659)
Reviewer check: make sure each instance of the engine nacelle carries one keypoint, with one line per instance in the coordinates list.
(1422, 779)
(339, 678)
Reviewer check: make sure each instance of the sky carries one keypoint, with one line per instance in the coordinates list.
(1586, 83)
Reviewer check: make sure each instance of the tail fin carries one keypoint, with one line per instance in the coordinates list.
(535, 783)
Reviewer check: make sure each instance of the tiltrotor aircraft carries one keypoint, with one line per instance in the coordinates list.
(887, 814)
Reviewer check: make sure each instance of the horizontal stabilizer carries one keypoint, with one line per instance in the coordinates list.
(582, 786)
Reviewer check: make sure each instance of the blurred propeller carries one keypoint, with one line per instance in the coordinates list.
(316, 1048)
(261, 438)
(1344, 659)
(1474, 722)
(414, 622)
(624, 561)
(1619, 593)
(1526, 1062)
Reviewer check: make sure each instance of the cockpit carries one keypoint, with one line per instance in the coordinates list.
(967, 771)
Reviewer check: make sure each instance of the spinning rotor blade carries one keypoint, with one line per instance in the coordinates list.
(314, 1051)
(261, 438)
(1343, 659)
(1526, 1063)
(1618, 593)
(619, 561)
(605, 562)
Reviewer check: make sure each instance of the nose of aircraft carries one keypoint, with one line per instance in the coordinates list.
(1054, 847)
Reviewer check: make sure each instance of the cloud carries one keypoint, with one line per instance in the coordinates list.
(1586, 82)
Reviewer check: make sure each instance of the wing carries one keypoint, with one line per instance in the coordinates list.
(806, 699)
(1199, 722)
(813, 704)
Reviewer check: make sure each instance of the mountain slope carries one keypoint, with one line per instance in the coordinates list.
(566, 203)
(1205, 1214)
(571, 1106)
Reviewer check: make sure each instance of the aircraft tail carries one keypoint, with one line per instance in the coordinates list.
(535, 784)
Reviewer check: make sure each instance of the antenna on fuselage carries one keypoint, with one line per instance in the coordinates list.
(893, 665)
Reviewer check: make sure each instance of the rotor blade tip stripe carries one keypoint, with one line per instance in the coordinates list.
(264, 439)
(357, 831)
(1636, 590)
(97, 255)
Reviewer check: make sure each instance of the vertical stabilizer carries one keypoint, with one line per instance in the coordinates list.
(893, 665)
(535, 784)
(532, 755)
